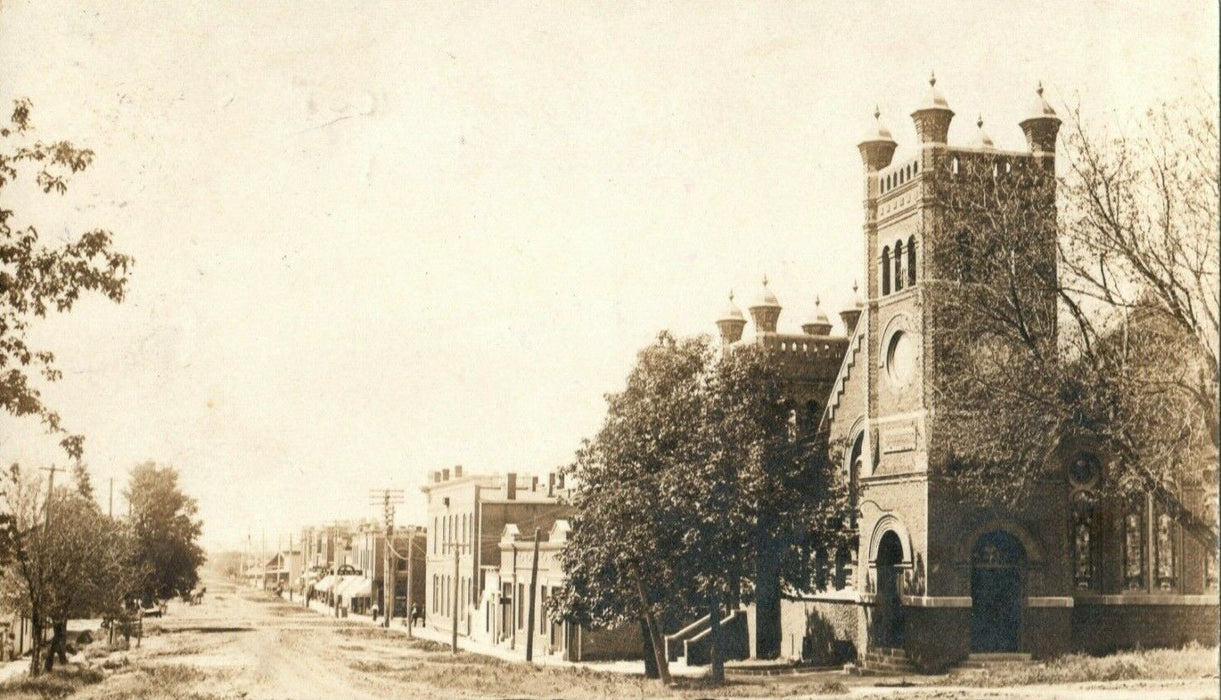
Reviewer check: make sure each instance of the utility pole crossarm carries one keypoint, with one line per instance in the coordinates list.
(388, 498)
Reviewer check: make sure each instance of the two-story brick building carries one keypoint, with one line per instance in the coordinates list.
(467, 514)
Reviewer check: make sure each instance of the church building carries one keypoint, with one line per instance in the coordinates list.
(933, 581)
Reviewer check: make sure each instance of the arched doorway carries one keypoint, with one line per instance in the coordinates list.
(997, 566)
(888, 620)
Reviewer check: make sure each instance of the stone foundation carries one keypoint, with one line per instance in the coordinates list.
(1108, 623)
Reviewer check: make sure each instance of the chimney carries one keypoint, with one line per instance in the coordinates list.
(445, 474)
(511, 486)
(551, 485)
(457, 471)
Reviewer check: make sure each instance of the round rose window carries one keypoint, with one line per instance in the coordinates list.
(901, 358)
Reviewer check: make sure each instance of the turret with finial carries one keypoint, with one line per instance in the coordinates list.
(1041, 126)
(852, 314)
(765, 312)
(933, 117)
(731, 323)
(982, 140)
(819, 323)
(877, 147)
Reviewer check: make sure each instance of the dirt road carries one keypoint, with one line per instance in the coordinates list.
(245, 644)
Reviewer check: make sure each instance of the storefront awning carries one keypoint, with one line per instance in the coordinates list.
(357, 587)
(325, 584)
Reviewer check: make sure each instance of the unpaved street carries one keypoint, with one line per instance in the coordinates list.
(245, 644)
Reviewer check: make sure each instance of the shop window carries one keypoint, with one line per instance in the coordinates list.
(521, 605)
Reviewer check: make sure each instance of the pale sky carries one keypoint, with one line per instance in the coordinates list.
(373, 240)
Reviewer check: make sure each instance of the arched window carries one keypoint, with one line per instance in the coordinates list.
(1083, 542)
(856, 463)
(1164, 554)
(885, 271)
(821, 564)
(843, 568)
(812, 415)
(911, 261)
(1134, 546)
(898, 265)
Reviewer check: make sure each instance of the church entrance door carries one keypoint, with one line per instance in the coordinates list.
(888, 618)
(997, 566)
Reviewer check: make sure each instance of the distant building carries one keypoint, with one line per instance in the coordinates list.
(283, 568)
(328, 546)
(368, 556)
(467, 514)
(505, 603)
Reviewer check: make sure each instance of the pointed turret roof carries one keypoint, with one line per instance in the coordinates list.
(766, 297)
(933, 99)
(877, 130)
(982, 139)
(731, 312)
(1039, 109)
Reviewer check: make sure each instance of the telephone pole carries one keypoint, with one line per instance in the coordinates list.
(410, 581)
(110, 507)
(50, 490)
(533, 583)
(389, 499)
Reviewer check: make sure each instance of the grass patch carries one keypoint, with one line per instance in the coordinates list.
(427, 645)
(59, 683)
(364, 632)
(1192, 661)
(162, 681)
(702, 688)
(465, 674)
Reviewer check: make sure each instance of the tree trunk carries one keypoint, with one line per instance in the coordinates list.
(715, 657)
(61, 631)
(659, 645)
(35, 644)
(767, 599)
(58, 645)
(646, 646)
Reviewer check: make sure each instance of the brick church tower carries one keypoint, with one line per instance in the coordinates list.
(938, 580)
(932, 579)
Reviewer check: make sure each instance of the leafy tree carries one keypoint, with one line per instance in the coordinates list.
(619, 562)
(697, 492)
(1095, 323)
(36, 277)
(68, 559)
(166, 532)
(767, 496)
